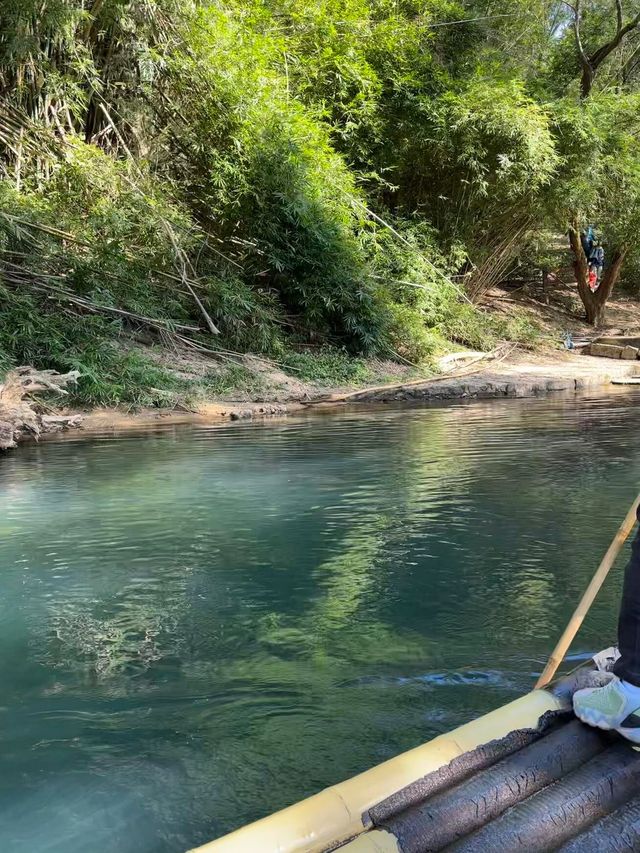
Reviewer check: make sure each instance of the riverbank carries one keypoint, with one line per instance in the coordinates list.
(249, 388)
(521, 375)
(532, 370)
(524, 375)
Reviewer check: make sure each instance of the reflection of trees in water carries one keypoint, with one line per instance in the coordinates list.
(343, 620)
(331, 563)
(433, 481)
(441, 485)
(553, 479)
(423, 468)
(333, 626)
(299, 678)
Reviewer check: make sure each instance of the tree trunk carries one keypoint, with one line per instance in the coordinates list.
(586, 81)
(594, 303)
(591, 64)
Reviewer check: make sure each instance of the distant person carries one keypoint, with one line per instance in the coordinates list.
(617, 705)
(596, 259)
(587, 239)
(593, 279)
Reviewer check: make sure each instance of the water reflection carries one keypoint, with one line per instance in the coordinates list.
(200, 627)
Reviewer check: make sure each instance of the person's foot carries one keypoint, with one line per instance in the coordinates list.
(616, 706)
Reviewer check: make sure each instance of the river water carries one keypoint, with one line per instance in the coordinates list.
(201, 626)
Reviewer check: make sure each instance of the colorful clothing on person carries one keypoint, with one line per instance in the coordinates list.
(587, 239)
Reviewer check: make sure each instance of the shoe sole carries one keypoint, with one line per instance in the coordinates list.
(598, 721)
(594, 718)
(632, 735)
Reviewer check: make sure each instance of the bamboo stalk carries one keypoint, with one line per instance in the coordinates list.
(557, 656)
(182, 262)
(31, 280)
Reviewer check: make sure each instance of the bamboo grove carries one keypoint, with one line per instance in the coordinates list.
(264, 176)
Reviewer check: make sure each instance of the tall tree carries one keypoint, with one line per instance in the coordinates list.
(598, 181)
(591, 61)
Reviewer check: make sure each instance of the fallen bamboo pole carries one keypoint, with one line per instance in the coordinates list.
(496, 356)
(37, 281)
(557, 656)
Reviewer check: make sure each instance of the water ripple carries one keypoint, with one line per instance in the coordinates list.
(202, 625)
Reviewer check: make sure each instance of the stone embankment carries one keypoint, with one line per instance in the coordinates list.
(625, 348)
(564, 372)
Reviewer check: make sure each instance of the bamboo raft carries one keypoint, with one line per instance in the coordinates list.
(526, 777)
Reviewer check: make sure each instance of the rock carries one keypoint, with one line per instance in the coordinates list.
(605, 350)
(55, 423)
(264, 410)
(560, 385)
(630, 353)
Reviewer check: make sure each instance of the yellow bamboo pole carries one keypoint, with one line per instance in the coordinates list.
(557, 656)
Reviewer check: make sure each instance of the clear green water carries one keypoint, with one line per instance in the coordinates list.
(200, 627)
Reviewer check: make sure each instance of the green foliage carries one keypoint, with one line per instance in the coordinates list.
(33, 333)
(300, 214)
(249, 151)
(327, 366)
(408, 335)
(598, 179)
(418, 295)
(481, 331)
(275, 183)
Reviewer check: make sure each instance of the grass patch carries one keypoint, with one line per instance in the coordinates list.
(328, 367)
(235, 378)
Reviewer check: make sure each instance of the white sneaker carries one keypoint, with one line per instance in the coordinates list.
(614, 707)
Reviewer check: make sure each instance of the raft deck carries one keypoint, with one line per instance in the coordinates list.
(526, 777)
(566, 787)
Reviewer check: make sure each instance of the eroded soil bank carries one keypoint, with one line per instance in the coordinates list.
(520, 376)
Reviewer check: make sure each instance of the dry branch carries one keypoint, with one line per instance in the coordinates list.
(591, 63)
(38, 281)
(500, 353)
(19, 415)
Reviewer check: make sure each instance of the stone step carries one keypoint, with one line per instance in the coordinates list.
(627, 352)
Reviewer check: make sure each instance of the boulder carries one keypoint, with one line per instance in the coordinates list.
(605, 350)
(630, 353)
